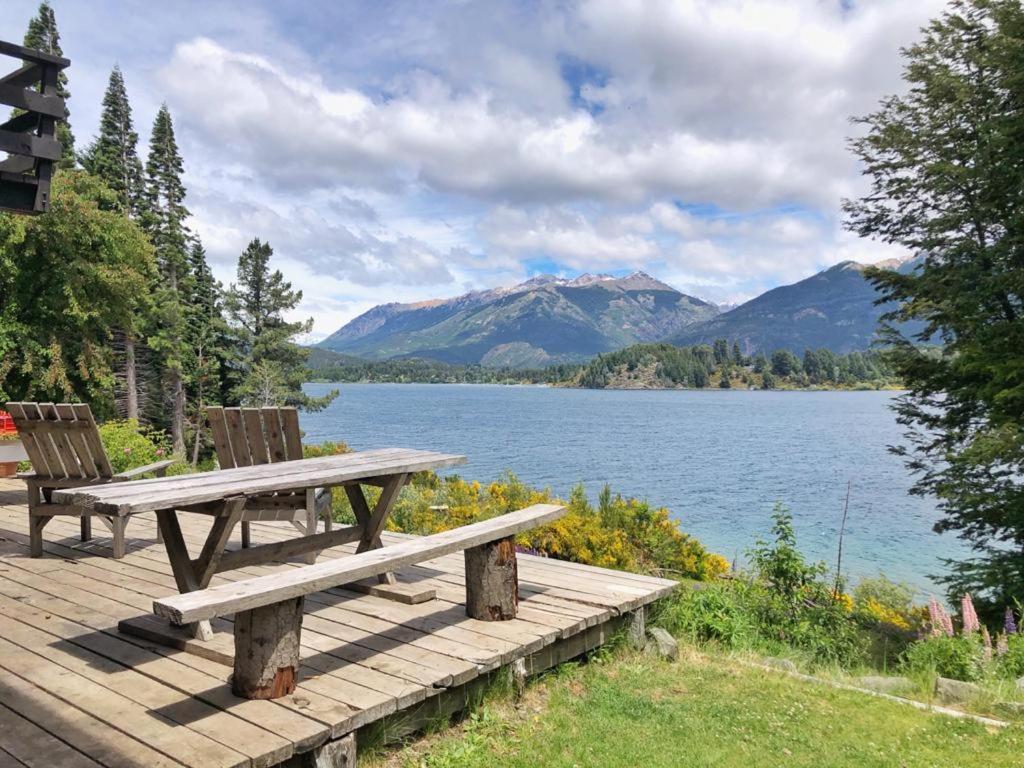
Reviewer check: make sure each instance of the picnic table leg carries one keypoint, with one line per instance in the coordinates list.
(190, 574)
(372, 522)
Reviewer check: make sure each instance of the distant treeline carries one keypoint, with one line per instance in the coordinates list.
(414, 370)
(724, 366)
(648, 366)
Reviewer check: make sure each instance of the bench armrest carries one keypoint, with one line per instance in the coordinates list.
(159, 467)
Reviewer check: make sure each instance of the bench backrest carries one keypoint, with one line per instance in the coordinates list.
(246, 595)
(244, 437)
(62, 440)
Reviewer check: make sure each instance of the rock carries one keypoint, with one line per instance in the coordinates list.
(784, 664)
(884, 684)
(951, 691)
(1012, 708)
(663, 644)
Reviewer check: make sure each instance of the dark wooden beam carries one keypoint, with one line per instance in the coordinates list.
(32, 101)
(29, 54)
(26, 121)
(42, 147)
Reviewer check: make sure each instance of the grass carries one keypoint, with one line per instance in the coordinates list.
(628, 709)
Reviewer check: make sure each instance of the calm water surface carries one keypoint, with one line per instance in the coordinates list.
(718, 460)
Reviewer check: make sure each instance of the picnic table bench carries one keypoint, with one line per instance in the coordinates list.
(223, 494)
(268, 609)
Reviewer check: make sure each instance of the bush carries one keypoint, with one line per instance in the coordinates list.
(619, 533)
(1011, 663)
(129, 444)
(958, 657)
(887, 604)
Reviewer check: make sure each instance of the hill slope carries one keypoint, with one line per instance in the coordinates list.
(542, 321)
(833, 309)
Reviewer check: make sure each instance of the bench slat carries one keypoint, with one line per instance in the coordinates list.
(227, 599)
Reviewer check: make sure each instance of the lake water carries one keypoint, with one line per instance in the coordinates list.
(718, 460)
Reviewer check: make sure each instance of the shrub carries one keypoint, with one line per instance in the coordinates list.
(618, 533)
(958, 657)
(1010, 664)
(129, 444)
(887, 604)
(720, 612)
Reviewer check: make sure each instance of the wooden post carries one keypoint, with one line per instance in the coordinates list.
(492, 581)
(267, 650)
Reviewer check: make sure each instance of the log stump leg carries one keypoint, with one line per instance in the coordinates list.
(492, 581)
(267, 650)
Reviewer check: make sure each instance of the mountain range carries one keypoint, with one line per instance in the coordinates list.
(545, 320)
(549, 319)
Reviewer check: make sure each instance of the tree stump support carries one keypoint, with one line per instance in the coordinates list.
(492, 581)
(267, 650)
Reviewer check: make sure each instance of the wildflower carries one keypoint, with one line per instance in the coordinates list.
(159, 451)
(1009, 625)
(986, 642)
(940, 621)
(127, 450)
(1002, 644)
(971, 623)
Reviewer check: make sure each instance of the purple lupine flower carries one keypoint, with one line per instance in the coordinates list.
(971, 623)
(1009, 625)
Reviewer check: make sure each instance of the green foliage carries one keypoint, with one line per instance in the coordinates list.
(55, 332)
(1010, 665)
(958, 657)
(129, 444)
(785, 604)
(944, 164)
(326, 366)
(42, 35)
(275, 365)
(617, 533)
(113, 155)
(664, 365)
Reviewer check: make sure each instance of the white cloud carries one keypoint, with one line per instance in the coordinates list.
(403, 150)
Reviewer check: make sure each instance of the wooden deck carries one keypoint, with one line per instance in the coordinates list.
(76, 692)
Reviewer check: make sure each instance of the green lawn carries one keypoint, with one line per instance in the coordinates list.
(704, 710)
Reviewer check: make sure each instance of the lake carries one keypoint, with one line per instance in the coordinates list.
(719, 460)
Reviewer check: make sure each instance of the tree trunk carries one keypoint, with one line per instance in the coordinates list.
(178, 413)
(130, 380)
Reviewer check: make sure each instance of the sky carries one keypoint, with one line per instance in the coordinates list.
(400, 151)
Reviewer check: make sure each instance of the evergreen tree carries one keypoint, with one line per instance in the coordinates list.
(275, 366)
(737, 356)
(42, 35)
(947, 182)
(113, 157)
(163, 215)
(209, 340)
(68, 280)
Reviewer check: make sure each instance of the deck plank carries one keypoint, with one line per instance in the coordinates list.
(76, 691)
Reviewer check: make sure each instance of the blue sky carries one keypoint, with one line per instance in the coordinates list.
(397, 151)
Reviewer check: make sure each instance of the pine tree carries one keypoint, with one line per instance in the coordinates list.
(209, 340)
(42, 35)
(163, 215)
(944, 164)
(113, 157)
(275, 365)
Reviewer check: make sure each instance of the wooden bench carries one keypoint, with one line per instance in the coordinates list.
(268, 609)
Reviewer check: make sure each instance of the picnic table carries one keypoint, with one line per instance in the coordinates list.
(222, 495)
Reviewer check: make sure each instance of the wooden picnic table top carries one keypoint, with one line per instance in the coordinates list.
(178, 491)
